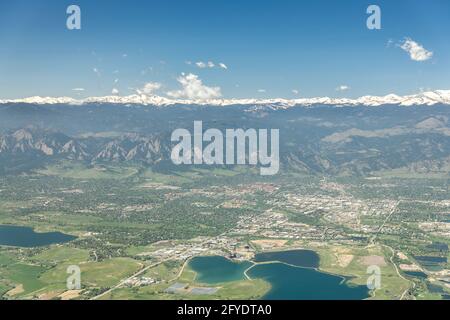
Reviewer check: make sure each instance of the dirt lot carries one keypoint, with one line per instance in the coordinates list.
(17, 290)
(410, 267)
(373, 261)
(71, 294)
(269, 244)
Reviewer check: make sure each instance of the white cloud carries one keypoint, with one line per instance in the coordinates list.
(78, 89)
(343, 88)
(201, 64)
(415, 50)
(261, 90)
(295, 91)
(149, 88)
(115, 91)
(193, 88)
(209, 65)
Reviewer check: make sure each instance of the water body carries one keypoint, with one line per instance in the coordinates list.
(439, 290)
(215, 269)
(292, 277)
(416, 274)
(298, 258)
(433, 288)
(18, 236)
(438, 246)
(294, 283)
(431, 263)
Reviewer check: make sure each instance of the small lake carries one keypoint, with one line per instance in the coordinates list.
(433, 288)
(18, 236)
(431, 263)
(416, 274)
(292, 275)
(298, 258)
(294, 283)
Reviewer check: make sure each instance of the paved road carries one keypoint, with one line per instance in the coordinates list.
(129, 278)
(399, 274)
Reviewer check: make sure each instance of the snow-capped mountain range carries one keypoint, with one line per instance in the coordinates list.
(425, 98)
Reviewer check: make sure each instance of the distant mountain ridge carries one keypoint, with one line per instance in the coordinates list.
(321, 139)
(425, 98)
(423, 148)
(54, 145)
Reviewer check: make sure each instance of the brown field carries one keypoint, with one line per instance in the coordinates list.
(70, 294)
(49, 295)
(373, 261)
(269, 244)
(402, 256)
(17, 290)
(410, 267)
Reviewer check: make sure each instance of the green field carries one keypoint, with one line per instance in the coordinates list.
(246, 289)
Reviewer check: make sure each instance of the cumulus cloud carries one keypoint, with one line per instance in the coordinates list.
(194, 89)
(149, 88)
(343, 88)
(261, 90)
(78, 89)
(223, 66)
(415, 50)
(295, 91)
(115, 91)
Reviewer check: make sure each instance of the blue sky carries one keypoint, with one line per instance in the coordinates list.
(271, 48)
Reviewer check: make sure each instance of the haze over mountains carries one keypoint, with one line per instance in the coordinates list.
(318, 139)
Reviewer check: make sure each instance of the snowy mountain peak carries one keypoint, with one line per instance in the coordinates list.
(425, 98)
(42, 100)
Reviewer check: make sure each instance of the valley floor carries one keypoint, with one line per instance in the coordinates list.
(136, 231)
